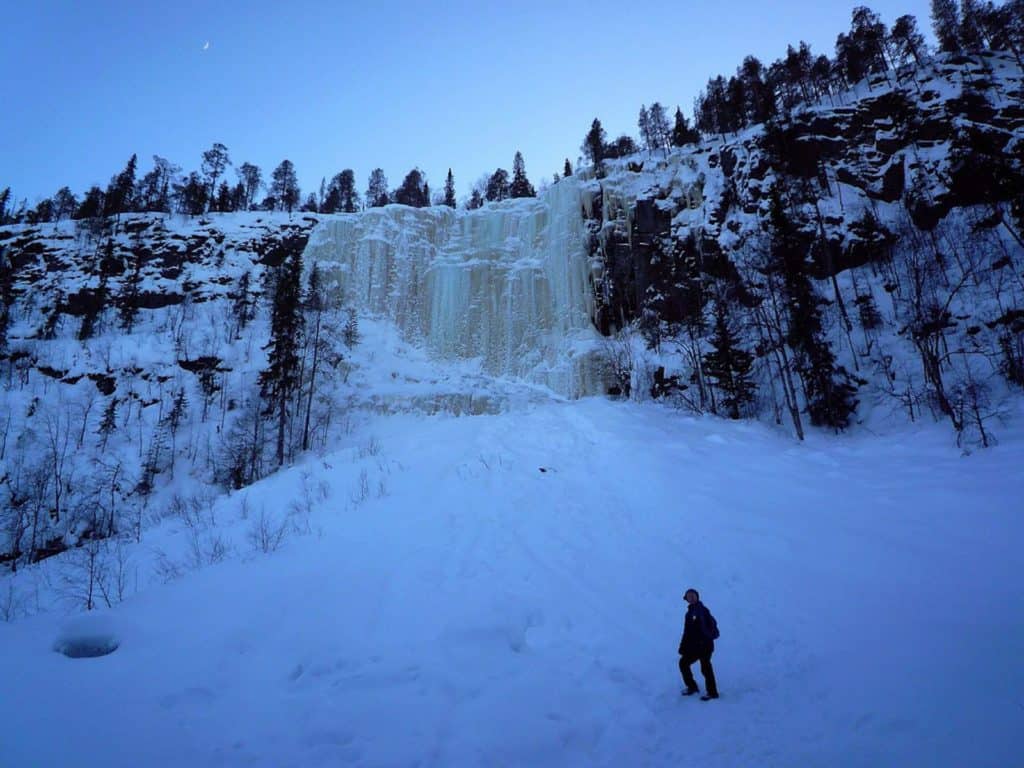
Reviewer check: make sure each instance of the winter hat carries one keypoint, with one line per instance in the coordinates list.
(695, 592)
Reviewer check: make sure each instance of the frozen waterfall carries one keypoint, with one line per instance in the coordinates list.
(508, 284)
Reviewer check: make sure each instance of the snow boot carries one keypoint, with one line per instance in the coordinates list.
(709, 696)
(690, 691)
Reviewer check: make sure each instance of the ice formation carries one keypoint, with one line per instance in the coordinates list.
(508, 284)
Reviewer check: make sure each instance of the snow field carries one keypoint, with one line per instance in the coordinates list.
(480, 611)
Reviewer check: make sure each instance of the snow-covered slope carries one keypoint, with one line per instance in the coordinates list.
(903, 198)
(512, 596)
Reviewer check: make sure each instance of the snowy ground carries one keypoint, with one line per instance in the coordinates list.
(505, 590)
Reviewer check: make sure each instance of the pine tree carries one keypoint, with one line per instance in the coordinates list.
(154, 190)
(251, 178)
(946, 25)
(476, 200)
(728, 366)
(449, 190)
(971, 30)
(347, 191)
(868, 34)
(659, 130)
(5, 199)
(64, 204)
(285, 186)
(215, 161)
(377, 189)
(280, 381)
(521, 186)
(907, 41)
(191, 195)
(567, 170)
(92, 204)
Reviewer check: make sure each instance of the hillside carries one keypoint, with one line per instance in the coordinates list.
(866, 249)
(509, 593)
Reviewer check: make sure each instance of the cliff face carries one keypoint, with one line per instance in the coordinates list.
(65, 272)
(857, 262)
(906, 205)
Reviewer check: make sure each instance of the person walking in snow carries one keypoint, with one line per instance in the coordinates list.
(697, 644)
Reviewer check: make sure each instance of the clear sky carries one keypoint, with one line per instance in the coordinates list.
(338, 85)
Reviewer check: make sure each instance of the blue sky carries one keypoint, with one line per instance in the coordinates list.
(339, 85)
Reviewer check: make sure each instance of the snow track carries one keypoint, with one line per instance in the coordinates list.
(485, 612)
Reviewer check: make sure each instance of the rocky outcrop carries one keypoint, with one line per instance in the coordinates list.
(72, 270)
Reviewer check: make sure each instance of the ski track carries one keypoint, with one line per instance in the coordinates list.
(483, 612)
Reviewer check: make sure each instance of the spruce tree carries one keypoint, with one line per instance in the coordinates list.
(118, 199)
(830, 397)
(92, 204)
(728, 366)
(280, 381)
(449, 190)
(594, 143)
(682, 133)
(643, 124)
(6, 296)
(225, 199)
(567, 170)
(350, 332)
(129, 299)
(413, 191)
(521, 186)
(192, 195)
(377, 189)
(498, 186)
(242, 304)
(108, 423)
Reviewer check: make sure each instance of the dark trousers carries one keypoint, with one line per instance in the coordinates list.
(687, 659)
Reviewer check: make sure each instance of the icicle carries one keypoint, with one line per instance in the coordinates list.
(507, 284)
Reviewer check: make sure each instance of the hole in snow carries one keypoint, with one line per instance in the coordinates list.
(86, 638)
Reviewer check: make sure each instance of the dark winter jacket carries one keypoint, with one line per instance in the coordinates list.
(697, 636)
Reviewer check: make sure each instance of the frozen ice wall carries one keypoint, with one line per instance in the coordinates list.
(508, 284)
